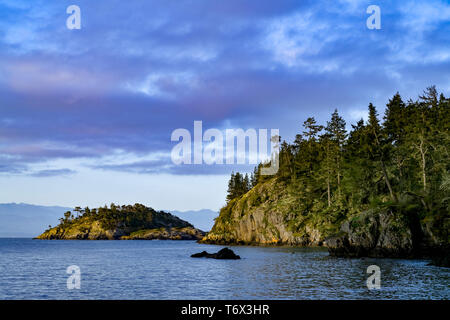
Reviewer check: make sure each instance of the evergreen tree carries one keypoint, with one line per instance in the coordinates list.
(231, 188)
(395, 132)
(337, 134)
(404, 159)
(394, 119)
(312, 129)
(246, 183)
(286, 156)
(328, 163)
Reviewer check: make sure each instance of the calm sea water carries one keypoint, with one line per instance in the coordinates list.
(36, 269)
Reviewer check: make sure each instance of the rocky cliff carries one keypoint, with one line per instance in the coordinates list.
(270, 214)
(122, 223)
(374, 233)
(385, 232)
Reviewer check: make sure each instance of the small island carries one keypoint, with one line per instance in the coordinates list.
(128, 222)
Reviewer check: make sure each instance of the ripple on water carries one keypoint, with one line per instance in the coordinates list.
(36, 269)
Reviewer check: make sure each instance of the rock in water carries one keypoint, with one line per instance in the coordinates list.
(225, 253)
(200, 254)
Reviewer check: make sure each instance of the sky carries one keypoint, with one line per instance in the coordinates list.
(86, 115)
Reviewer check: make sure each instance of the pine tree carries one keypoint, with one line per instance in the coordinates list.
(337, 133)
(327, 163)
(359, 168)
(246, 183)
(394, 128)
(377, 146)
(286, 170)
(312, 129)
(231, 188)
(406, 157)
(254, 177)
(394, 119)
(238, 184)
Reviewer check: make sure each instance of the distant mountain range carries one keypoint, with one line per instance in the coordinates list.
(28, 220)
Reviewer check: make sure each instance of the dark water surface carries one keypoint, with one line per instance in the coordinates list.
(36, 269)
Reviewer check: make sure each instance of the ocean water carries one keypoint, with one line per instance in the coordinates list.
(36, 269)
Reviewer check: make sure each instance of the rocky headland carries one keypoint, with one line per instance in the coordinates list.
(267, 215)
(136, 222)
(381, 189)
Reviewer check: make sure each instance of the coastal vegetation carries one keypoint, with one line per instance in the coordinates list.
(121, 222)
(386, 180)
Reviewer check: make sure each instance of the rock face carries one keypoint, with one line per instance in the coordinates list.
(373, 234)
(386, 233)
(95, 232)
(124, 223)
(270, 214)
(266, 215)
(225, 253)
(186, 233)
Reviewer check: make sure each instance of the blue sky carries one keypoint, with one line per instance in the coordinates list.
(86, 115)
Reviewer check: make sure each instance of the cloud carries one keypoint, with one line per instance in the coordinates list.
(136, 71)
(165, 85)
(356, 115)
(295, 38)
(41, 77)
(167, 167)
(12, 168)
(53, 173)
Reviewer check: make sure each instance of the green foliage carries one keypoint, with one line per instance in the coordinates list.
(238, 185)
(401, 162)
(129, 217)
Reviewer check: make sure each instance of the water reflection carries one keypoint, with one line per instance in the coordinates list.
(164, 270)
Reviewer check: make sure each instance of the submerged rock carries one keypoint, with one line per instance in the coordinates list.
(225, 253)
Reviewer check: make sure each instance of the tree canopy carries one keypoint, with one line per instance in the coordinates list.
(400, 158)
